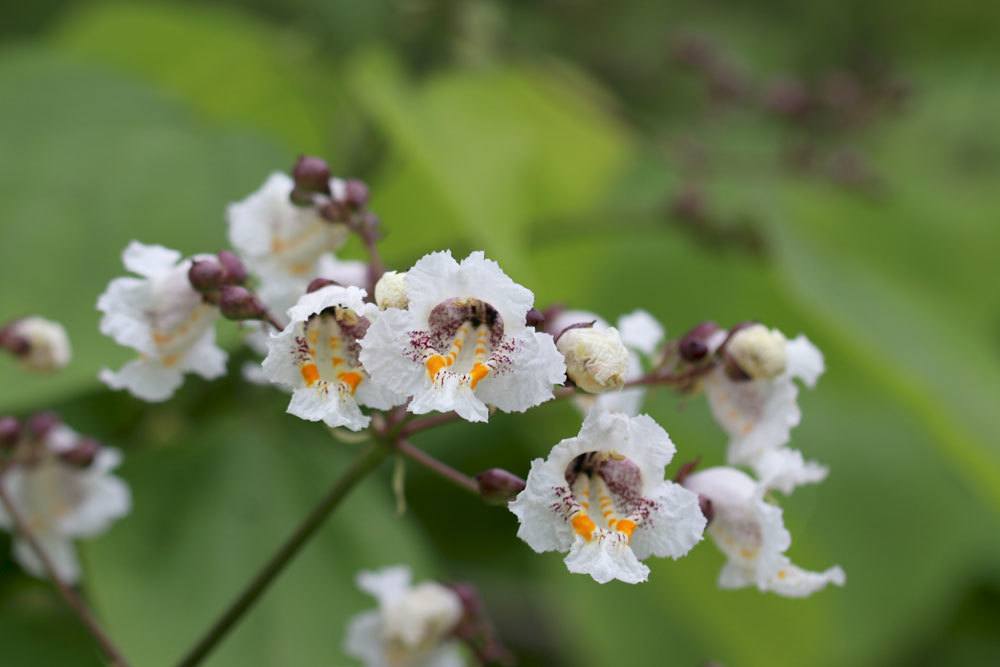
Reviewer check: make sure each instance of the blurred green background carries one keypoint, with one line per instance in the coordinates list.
(826, 167)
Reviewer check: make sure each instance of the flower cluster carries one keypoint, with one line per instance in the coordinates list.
(362, 348)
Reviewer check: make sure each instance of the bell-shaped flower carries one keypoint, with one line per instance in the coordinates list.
(462, 344)
(162, 317)
(751, 532)
(601, 498)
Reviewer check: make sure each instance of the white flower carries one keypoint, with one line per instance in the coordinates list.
(602, 498)
(60, 502)
(463, 342)
(784, 469)
(642, 335)
(48, 346)
(390, 291)
(164, 319)
(283, 244)
(412, 626)
(759, 414)
(317, 357)
(596, 358)
(751, 532)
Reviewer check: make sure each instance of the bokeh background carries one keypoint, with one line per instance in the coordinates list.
(827, 167)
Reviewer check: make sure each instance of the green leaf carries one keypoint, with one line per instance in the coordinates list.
(484, 153)
(100, 160)
(226, 64)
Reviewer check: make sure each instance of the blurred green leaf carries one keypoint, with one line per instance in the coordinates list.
(215, 493)
(100, 161)
(225, 63)
(488, 151)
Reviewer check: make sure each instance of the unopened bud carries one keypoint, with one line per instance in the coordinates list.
(206, 275)
(498, 487)
(390, 290)
(758, 351)
(355, 194)
(41, 424)
(535, 319)
(311, 176)
(694, 344)
(239, 303)
(10, 432)
(82, 454)
(319, 283)
(236, 272)
(596, 358)
(41, 345)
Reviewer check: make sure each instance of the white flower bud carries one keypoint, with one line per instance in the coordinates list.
(390, 291)
(423, 616)
(48, 345)
(759, 351)
(596, 358)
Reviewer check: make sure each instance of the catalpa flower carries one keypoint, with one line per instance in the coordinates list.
(162, 317)
(285, 245)
(41, 345)
(462, 344)
(641, 336)
(602, 498)
(753, 395)
(63, 489)
(751, 532)
(412, 627)
(317, 357)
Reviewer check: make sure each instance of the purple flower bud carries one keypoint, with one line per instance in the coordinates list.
(705, 505)
(236, 273)
(356, 194)
(206, 275)
(239, 303)
(498, 487)
(10, 432)
(41, 423)
(535, 319)
(319, 283)
(788, 98)
(694, 344)
(311, 174)
(476, 630)
(82, 454)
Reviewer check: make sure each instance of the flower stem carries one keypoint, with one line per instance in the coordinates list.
(69, 595)
(366, 462)
(424, 423)
(443, 469)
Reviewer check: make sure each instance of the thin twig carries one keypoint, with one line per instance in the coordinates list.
(70, 596)
(365, 463)
(424, 423)
(418, 455)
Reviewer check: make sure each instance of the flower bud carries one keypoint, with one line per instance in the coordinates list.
(319, 283)
(236, 272)
(498, 487)
(596, 358)
(82, 454)
(41, 424)
(206, 275)
(535, 319)
(42, 345)
(10, 432)
(355, 194)
(758, 351)
(707, 510)
(239, 303)
(693, 345)
(390, 291)
(311, 176)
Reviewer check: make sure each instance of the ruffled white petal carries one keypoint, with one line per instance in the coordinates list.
(382, 354)
(804, 360)
(149, 261)
(540, 527)
(145, 379)
(673, 527)
(794, 582)
(640, 331)
(205, 358)
(364, 639)
(59, 550)
(124, 305)
(385, 585)
(785, 469)
(606, 559)
(327, 297)
(536, 365)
